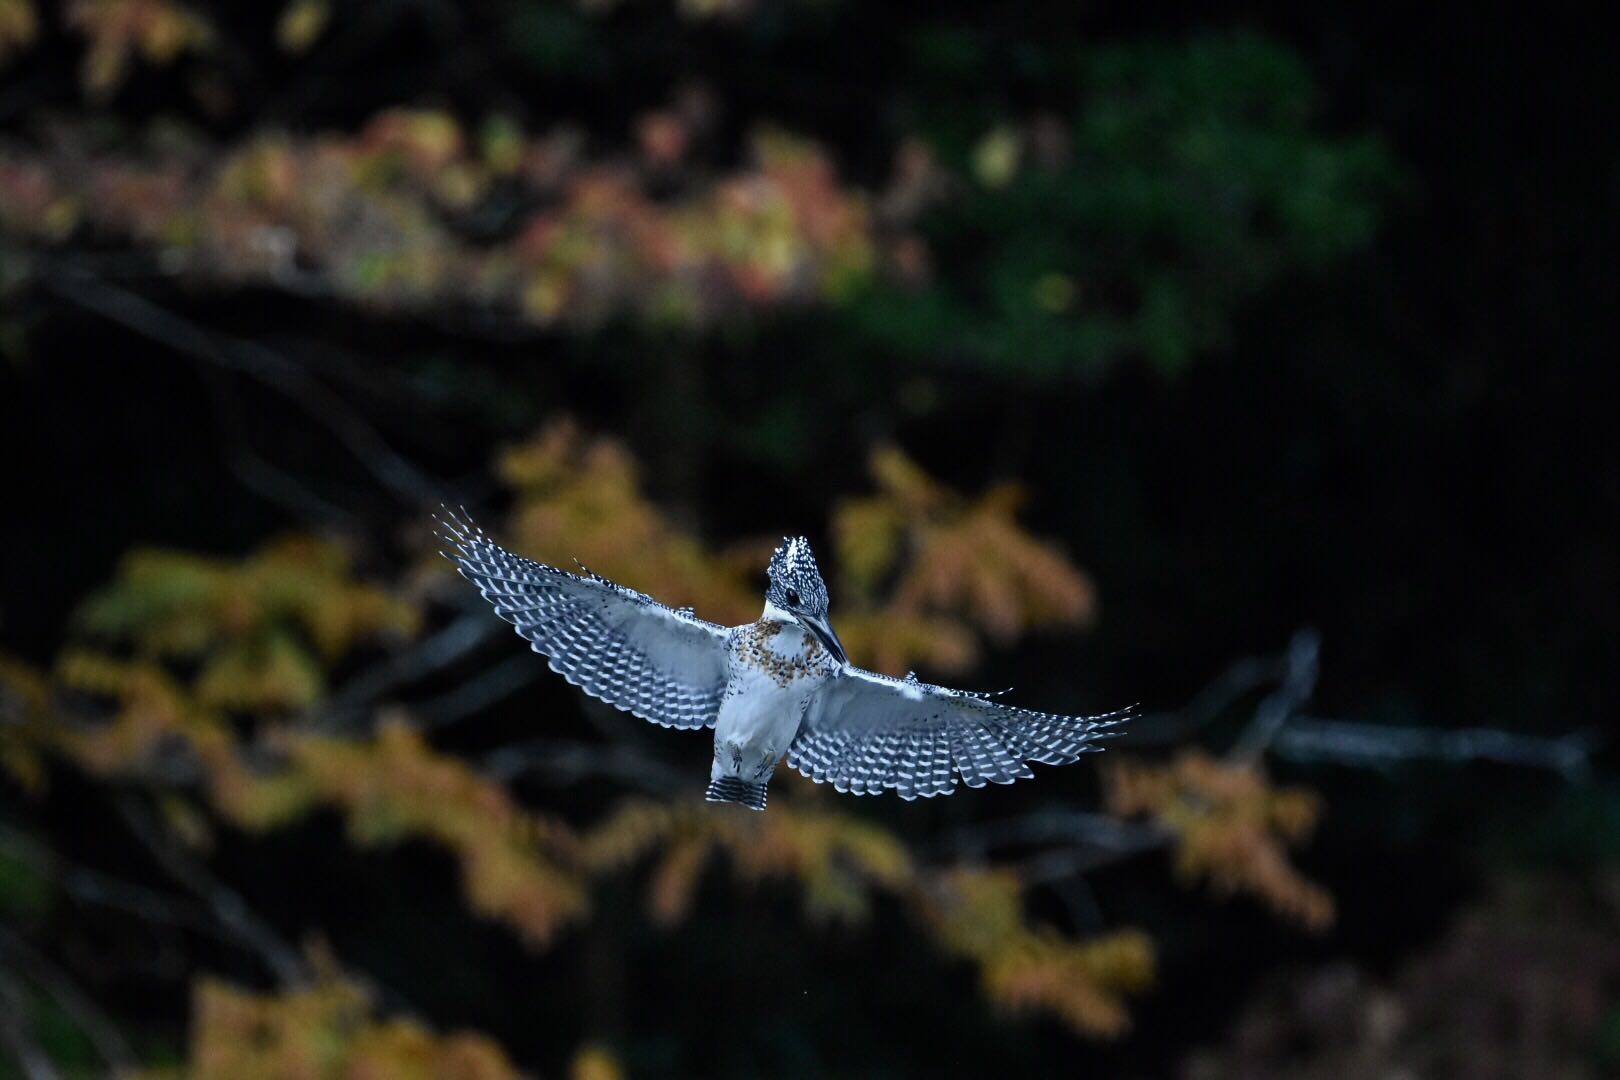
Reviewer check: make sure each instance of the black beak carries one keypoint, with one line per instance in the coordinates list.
(819, 626)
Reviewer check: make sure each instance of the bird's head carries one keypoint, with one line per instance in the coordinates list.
(796, 589)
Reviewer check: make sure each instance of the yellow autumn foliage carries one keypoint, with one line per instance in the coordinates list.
(922, 569)
(261, 630)
(956, 556)
(19, 26)
(153, 714)
(979, 914)
(326, 1032)
(837, 858)
(216, 656)
(294, 600)
(395, 787)
(389, 788)
(580, 498)
(595, 1063)
(1231, 827)
(117, 31)
(363, 213)
(841, 862)
(24, 705)
(535, 873)
(301, 23)
(928, 569)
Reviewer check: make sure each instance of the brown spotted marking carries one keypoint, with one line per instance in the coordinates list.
(754, 649)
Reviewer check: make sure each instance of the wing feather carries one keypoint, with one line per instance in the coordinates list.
(614, 643)
(865, 733)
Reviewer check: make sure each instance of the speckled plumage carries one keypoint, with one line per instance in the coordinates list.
(755, 645)
(776, 687)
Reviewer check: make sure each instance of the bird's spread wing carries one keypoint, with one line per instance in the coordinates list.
(612, 642)
(866, 733)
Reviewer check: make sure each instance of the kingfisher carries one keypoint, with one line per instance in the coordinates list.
(781, 686)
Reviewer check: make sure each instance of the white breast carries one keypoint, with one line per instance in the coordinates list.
(774, 669)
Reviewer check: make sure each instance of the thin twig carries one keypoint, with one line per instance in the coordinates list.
(15, 1038)
(435, 653)
(1301, 666)
(1063, 864)
(94, 1023)
(1241, 678)
(479, 693)
(226, 904)
(255, 471)
(250, 358)
(95, 887)
(1071, 828)
(571, 761)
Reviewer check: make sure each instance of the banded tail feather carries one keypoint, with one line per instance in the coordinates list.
(733, 789)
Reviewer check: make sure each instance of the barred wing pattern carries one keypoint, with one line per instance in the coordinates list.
(614, 643)
(866, 733)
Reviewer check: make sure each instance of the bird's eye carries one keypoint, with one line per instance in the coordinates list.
(793, 596)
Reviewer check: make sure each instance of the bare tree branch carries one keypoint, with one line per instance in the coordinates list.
(569, 761)
(479, 692)
(435, 653)
(1077, 841)
(94, 887)
(15, 1037)
(225, 903)
(255, 471)
(94, 1023)
(1057, 825)
(1241, 678)
(1301, 666)
(1347, 742)
(252, 359)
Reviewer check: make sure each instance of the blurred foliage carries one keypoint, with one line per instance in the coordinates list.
(24, 715)
(325, 1032)
(197, 629)
(838, 859)
(301, 24)
(260, 630)
(22, 890)
(514, 864)
(389, 788)
(1162, 186)
(19, 26)
(1231, 827)
(1543, 953)
(62, 1043)
(117, 31)
(966, 562)
(579, 498)
(209, 638)
(1187, 179)
(415, 212)
(926, 569)
(595, 1063)
(979, 914)
(239, 619)
(974, 913)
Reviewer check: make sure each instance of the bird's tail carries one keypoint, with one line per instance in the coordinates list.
(734, 789)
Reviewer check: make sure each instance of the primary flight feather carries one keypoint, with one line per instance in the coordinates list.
(780, 685)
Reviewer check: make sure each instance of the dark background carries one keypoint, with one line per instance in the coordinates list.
(1406, 445)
